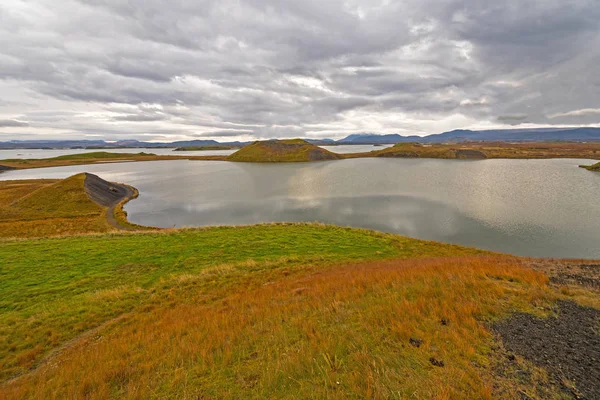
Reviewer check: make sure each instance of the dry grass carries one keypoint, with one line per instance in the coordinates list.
(42, 208)
(530, 150)
(338, 332)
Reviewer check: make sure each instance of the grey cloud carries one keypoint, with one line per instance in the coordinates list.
(268, 68)
(218, 134)
(12, 123)
(140, 118)
(517, 118)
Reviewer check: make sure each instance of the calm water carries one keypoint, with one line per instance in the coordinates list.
(546, 208)
(40, 153)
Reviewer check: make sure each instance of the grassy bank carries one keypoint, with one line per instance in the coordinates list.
(94, 158)
(482, 150)
(595, 167)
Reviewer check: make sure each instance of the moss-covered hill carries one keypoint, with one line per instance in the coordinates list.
(293, 150)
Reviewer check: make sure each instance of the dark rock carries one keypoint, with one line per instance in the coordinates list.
(567, 346)
(435, 362)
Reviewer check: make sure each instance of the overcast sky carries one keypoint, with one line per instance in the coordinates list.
(176, 69)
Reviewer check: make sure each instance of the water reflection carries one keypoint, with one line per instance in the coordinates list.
(546, 208)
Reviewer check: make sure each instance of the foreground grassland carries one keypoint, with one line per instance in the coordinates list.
(45, 207)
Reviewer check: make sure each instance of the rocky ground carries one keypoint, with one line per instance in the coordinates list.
(567, 344)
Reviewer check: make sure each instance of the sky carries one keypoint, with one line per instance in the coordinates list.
(164, 70)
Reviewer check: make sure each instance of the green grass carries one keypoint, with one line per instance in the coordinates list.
(54, 289)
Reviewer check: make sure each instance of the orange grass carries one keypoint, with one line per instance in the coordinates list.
(338, 332)
(40, 208)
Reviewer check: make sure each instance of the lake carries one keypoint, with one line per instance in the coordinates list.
(541, 208)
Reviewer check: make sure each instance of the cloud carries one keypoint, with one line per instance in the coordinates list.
(12, 123)
(219, 134)
(577, 113)
(156, 69)
(513, 119)
(139, 118)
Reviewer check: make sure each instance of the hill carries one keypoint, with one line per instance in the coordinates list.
(511, 135)
(482, 150)
(294, 150)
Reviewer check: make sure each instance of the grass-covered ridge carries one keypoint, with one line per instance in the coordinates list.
(595, 167)
(49, 207)
(293, 150)
(92, 158)
(482, 150)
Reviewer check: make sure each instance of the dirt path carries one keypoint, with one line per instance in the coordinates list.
(56, 352)
(108, 194)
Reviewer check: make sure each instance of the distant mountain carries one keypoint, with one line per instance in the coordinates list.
(372, 138)
(460, 135)
(320, 142)
(101, 144)
(507, 135)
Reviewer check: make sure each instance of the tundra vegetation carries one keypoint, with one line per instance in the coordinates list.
(266, 311)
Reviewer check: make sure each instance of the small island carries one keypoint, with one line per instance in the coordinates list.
(595, 167)
(294, 150)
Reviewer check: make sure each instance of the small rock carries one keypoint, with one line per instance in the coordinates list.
(415, 342)
(438, 363)
(445, 321)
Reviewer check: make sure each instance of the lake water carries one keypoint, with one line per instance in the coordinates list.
(542, 208)
(45, 153)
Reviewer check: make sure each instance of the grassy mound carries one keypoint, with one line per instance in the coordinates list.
(295, 150)
(45, 207)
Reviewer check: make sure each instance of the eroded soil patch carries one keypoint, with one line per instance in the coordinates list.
(566, 345)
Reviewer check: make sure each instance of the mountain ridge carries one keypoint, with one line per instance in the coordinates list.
(458, 135)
